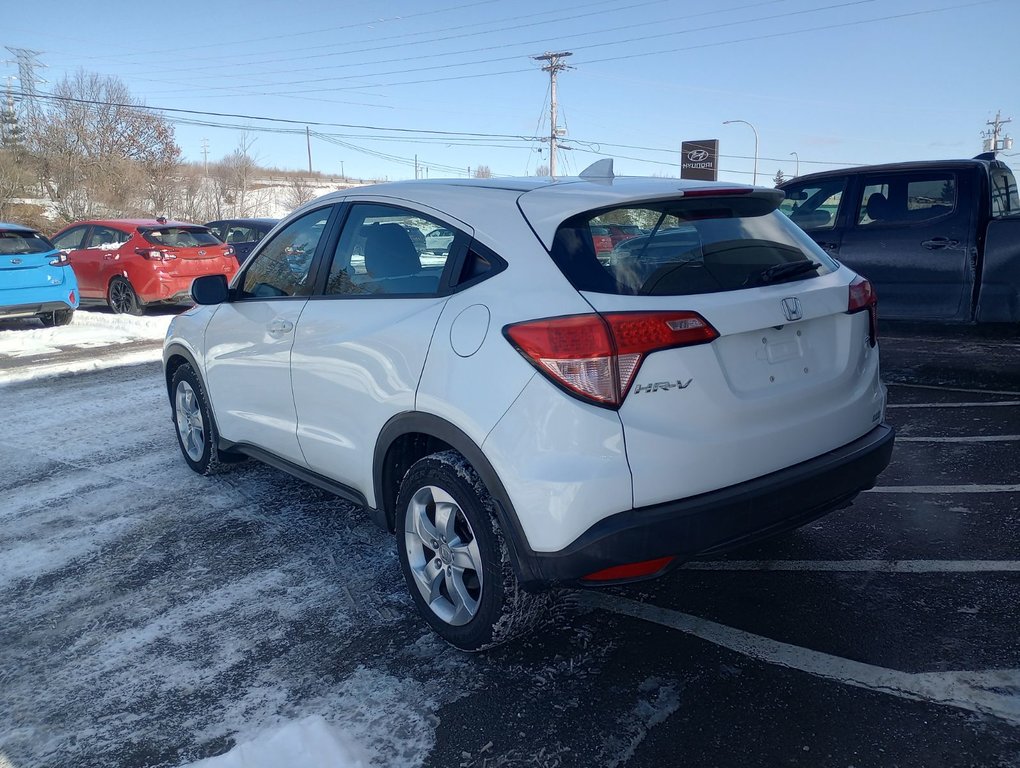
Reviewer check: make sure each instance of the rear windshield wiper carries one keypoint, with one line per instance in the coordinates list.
(779, 272)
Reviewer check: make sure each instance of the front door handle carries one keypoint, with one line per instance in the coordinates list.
(937, 243)
(279, 328)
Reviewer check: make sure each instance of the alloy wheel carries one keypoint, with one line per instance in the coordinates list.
(443, 555)
(190, 424)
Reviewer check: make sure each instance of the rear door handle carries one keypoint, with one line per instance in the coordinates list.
(279, 328)
(937, 243)
(830, 247)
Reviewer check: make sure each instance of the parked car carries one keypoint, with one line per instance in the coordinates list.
(620, 232)
(241, 234)
(132, 263)
(601, 239)
(36, 280)
(519, 414)
(438, 240)
(939, 240)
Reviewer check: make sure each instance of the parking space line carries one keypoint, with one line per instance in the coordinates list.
(996, 404)
(944, 489)
(965, 439)
(868, 566)
(937, 388)
(971, 691)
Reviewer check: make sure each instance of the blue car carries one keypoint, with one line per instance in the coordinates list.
(36, 280)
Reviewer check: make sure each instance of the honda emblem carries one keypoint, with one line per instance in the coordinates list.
(792, 308)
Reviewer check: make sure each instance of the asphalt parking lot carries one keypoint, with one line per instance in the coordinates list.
(151, 617)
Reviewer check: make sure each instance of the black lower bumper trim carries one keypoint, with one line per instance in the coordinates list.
(31, 310)
(724, 519)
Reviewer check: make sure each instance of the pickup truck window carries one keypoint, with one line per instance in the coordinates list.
(1005, 201)
(814, 206)
(906, 198)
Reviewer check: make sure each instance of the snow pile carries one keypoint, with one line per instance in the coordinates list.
(55, 351)
(307, 742)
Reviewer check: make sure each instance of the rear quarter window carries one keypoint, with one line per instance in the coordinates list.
(689, 248)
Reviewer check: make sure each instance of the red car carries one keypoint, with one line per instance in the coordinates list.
(131, 263)
(601, 239)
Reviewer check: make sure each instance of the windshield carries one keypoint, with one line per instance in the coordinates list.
(180, 237)
(16, 243)
(686, 248)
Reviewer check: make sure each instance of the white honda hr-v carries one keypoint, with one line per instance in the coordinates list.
(523, 414)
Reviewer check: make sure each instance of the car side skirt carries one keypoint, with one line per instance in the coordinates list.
(338, 489)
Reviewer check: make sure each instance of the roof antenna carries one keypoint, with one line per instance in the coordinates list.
(600, 169)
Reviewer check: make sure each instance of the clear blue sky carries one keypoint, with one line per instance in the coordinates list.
(839, 82)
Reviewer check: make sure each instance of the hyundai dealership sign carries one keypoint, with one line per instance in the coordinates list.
(700, 160)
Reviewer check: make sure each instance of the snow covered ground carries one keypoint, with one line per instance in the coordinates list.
(95, 339)
(149, 616)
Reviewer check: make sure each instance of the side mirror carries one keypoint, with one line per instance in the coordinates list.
(210, 289)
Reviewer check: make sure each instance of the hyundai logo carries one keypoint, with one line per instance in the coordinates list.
(792, 308)
(698, 155)
(201, 253)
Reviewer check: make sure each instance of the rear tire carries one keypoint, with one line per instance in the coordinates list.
(455, 558)
(122, 298)
(57, 317)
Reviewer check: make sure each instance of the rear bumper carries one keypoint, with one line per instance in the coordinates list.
(720, 520)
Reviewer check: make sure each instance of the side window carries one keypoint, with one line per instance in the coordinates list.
(107, 238)
(240, 234)
(906, 198)
(70, 240)
(814, 206)
(282, 267)
(1004, 194)
(382, 251)
(217, 229)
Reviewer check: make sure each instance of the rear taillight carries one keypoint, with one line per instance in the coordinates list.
(154, 254)
(596, 357)
(863, 297)
(60, 260)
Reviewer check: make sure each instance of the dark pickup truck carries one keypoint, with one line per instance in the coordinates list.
(940, 240)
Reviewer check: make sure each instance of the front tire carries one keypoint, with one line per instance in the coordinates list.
(196, 431)
(57, 317)
(122, 298)
(455, 559)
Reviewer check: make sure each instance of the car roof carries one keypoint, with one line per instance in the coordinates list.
(16, 227)
(245, 220)
(913, 165)
(133, 223)
(545, 202)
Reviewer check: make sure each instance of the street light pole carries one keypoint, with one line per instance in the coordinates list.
(727, 122)
(797, 158)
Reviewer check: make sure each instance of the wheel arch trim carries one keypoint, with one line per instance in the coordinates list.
(434, 426)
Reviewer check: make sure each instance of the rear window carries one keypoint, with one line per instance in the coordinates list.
(19, 243)
(688, 247)
(180, 237)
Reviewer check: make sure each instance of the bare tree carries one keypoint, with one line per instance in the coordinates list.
(483, 172)
(298, 192)
(98, 147)
(542, 170)
(237, 190)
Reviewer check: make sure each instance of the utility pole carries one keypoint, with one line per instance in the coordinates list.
(308, 138)
(553, 67)
(416, 166)
(205, 156)
(992, 141)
